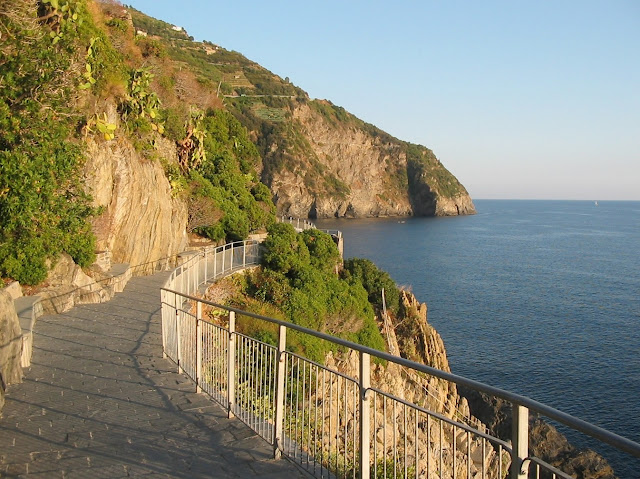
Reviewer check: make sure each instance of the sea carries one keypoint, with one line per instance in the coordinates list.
(541, 298)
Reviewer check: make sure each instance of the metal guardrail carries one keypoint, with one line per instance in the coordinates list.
(298, 223)
(332, 423)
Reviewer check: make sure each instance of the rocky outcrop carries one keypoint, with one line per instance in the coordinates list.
(545, 441)
(67, 285)
(410, 336)
(140, 221)
(10, 344)
(345, 169)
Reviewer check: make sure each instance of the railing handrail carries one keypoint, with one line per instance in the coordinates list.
(589, 429)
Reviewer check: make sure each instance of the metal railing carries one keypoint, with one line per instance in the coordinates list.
(299, 224)
(337, 422)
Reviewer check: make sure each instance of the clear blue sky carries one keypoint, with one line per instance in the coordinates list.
(536, 99)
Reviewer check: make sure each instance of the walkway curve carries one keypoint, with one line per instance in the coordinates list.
(99, 401)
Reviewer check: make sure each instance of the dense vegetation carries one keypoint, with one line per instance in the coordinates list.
(300, 277)
(61, 63)
(227, 178)
(43, 209)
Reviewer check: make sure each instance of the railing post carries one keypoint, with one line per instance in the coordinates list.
(278, 443)
(520, 440)
(224, 251)
(165, 313)
(206, 262)
(193, 275)
(244, 254)
(365, 414)
(178, 341)
(215, 263)
(231, 365)
(198, 346)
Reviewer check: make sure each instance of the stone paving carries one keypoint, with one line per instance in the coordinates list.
(100, 402)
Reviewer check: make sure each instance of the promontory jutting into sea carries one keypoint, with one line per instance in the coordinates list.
(537, 297)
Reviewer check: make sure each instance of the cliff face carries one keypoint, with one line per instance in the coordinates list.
(411, 336)
(10, 344)
(545, 441)
(338, 166)
(140, 220)
(366, 167)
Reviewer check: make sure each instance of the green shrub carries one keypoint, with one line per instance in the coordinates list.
(174, 123)
(298, 276)
(323, 252)
(43, 209)
(284, 250)
(373, 280)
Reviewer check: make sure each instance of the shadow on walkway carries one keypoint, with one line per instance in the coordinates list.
(99, 401)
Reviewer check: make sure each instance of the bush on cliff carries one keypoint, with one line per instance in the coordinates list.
(299, 277)
(43, 209)
(227, 177)
(374, 280)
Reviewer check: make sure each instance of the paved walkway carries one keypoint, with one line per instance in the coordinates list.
(100, 402)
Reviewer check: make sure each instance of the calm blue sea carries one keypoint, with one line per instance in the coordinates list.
(538, 297)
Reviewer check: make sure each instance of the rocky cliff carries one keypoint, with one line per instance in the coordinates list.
(545, 441)
(140, 220)
(10, 344)
(409, 335)
(328, 163)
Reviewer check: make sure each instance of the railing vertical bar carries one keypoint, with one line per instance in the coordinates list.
(304, 445)
(344, 424)
(395, 442)
(262, 384)
(415, 440)
(310, 411)
(354, 421)
(248, 379)
(428, 442)
(404, 431)
(375, 436)
(278, 444)
(296, 409)
(231, 369)
(330, 416)
(337, 446)
(324, 395)
(315, 424)
(272, 386)
(198, 347)
(289, 398)
(384, 435)
(441, 448)
(453, 440)
(484, 455)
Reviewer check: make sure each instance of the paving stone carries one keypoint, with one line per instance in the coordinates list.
(99, 401)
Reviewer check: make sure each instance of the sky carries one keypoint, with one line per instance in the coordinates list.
(523, 100)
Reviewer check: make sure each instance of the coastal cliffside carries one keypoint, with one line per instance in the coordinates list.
(140, 221)
(328, 163)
